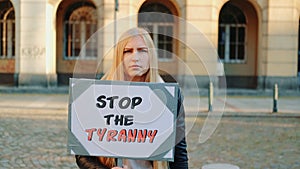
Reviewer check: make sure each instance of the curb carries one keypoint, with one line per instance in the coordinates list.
(241, 92)
(36, 90)
(187, 92)
(248, 114)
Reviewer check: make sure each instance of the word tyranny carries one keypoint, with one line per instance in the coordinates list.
(130, 135)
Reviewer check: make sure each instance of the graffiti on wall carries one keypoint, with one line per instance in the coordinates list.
(33, 52)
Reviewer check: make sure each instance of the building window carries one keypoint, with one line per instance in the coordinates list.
(232, 35)
(80, 23)
(161, 28)
(7, 30)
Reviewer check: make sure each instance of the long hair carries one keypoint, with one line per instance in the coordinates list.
(116, 71)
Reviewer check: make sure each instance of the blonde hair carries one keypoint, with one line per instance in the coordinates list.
(116, 71)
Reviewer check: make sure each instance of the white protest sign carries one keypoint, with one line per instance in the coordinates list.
(122, 119)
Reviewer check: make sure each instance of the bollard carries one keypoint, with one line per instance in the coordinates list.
(275, 98)
(210, 97)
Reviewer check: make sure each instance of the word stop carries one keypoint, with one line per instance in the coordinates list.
(123, 103)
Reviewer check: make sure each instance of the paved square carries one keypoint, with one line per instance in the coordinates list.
(34, 135)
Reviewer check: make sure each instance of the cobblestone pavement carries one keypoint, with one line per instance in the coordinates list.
(248, 142)
(34, 135)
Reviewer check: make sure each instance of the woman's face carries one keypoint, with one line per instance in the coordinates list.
(136, 58)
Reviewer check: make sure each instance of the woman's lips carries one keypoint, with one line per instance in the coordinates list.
(134, 66)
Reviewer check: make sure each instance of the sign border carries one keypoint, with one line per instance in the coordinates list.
(77, 86)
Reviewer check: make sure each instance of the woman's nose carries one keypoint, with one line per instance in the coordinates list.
(135, 56)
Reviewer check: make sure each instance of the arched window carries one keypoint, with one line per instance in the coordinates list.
(160, 26)
(7, 30)
(232, 34)
(80, 23)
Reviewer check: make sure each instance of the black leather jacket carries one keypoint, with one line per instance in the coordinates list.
(180, 158)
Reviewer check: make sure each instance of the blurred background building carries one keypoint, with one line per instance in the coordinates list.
(41, 41)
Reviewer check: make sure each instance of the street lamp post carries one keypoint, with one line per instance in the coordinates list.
(115, 20)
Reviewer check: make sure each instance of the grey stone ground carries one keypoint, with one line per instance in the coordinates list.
(33, 131)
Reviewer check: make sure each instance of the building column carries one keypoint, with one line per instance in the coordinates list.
(279, 46)
(200, 39)
(37, 50)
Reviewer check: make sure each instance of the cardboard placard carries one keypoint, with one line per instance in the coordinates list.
(134, 120)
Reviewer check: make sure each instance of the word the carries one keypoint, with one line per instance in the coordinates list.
(130, 135)
(126, 120)
(124, 102)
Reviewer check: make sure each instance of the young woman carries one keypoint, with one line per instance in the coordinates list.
(135, 59)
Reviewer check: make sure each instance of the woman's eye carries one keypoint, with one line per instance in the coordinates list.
(127, 51)
(144, 50)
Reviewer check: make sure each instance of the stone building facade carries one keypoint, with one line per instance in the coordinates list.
(43, 42)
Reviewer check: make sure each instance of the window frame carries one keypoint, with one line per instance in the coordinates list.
(82, 36)
(228, 42)
(7, 35)
(232, 17)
